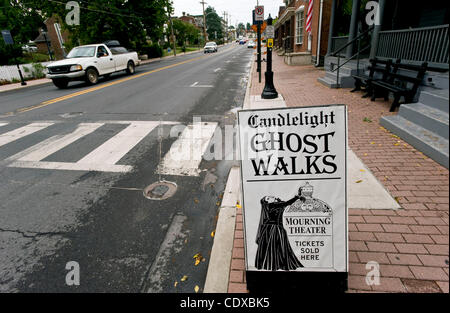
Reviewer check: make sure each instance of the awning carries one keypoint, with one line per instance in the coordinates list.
(287, 14)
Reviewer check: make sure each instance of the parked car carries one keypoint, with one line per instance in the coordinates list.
(242, 42)
(251, 44)
(29, 48)
(210, 47)
(90, 62)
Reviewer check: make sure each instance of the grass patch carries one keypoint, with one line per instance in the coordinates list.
(180, 50)
(34, 57)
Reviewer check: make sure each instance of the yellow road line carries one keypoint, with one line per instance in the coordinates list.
(111, 84)
(79, 93)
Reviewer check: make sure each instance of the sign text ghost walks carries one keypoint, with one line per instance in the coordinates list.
(294, 173)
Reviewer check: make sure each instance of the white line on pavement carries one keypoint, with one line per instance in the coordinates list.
(115, 148)
(185, 154)
(196, 85)
(51, 145)
(21, 132)
(72, 166)
(3, 124)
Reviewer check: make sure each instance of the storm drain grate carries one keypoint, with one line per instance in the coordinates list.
(161, 190)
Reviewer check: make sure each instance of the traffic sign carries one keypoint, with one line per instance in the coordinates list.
(270, 31)
(263, 27)
(270, 43)
(7, 37)
(259, 13)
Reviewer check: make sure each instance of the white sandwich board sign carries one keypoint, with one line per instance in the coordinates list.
(294, 184)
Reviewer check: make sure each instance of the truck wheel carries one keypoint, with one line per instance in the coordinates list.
(60, 83)
(91, 76)
(130, 68)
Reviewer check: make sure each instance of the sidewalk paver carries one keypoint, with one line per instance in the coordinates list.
(411, 244)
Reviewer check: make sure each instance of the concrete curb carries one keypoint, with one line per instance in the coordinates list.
(221, 254)
(30, 83)
(217, 277)
(249, 84)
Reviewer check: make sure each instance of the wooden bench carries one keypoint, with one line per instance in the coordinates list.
(383, 67)
(363, 80)
(400, 85)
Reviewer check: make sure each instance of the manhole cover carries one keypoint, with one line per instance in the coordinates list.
(160, 190)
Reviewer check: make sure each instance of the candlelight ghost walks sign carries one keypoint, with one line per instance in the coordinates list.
(294, 174)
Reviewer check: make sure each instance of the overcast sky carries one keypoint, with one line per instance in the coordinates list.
(239, 10)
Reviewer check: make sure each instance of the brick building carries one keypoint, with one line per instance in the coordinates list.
(56, 38)
(293, 40)
(194, 20)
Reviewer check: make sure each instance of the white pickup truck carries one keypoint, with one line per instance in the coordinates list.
(90, 62)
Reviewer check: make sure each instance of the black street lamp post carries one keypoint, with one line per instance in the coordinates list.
(269, 91)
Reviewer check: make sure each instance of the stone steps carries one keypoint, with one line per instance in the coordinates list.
(429, 143)
(427, 117)
(424, 125)
(435, 98)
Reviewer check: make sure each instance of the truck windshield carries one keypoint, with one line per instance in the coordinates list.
(81, 52)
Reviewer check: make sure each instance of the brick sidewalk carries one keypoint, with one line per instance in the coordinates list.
(410, 244)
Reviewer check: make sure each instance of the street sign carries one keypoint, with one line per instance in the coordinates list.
(6, 34)
(255, 22)
(270, 43)
(263, 26)
(259, 13)
(270, 31)
(294, 183)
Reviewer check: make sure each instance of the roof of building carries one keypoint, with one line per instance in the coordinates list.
(40, 39)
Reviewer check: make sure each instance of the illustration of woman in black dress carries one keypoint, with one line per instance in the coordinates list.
(274, 250)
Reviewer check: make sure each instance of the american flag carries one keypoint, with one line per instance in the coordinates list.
(309, 16)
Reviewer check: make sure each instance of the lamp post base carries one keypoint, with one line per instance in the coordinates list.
(269, 91)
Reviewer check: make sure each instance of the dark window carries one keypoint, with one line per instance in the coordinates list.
(102, 50)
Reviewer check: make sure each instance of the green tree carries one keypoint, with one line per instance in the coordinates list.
(185, 32)
(129, 21)
(241, 29)
(213, 24)
(24, 26)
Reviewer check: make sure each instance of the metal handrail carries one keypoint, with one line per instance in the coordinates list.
(359, 50)
(353, 56)
(352, 41)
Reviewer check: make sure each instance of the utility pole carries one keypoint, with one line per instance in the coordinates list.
(224, 33)
(171, 29)
(225, 21)
(204, 21)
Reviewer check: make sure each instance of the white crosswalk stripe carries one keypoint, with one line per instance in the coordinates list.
(183, 158)
(185, 155)
(115, 148)
(3, 124)
(51, 145)
(21, 132)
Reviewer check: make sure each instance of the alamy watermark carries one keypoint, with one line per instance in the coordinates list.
(73, 17)
(373, 276)
(73, 276)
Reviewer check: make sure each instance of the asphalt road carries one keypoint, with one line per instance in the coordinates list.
(55, 208)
